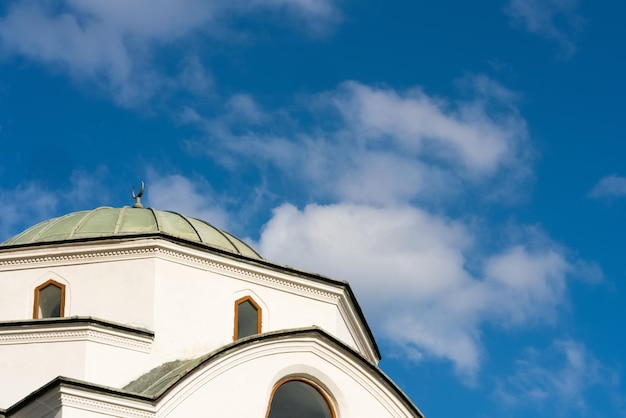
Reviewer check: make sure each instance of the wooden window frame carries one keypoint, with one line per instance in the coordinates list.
(259, 315)
(42, 286)
(309, 382)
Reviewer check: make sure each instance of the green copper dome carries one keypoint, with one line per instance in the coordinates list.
(118, 222)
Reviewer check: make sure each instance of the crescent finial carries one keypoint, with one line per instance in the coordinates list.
(137, 196)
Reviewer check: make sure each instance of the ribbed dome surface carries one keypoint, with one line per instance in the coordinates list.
(116, 222)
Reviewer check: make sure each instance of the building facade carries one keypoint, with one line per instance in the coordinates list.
(137, 312)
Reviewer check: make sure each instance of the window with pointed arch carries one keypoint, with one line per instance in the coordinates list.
(247, 318)
(49, 300)
(299, 398)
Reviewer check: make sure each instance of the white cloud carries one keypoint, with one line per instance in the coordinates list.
(90, 50)
(32, 202)
(526, 285)
(86, 189)
(420, 124)
(378, 145)
(26, 203)
(556, 20)
(113, 42)
(194, 77)
(609, 186)
(409, 269)
(151, 19)
(317, 15)
(557, 378)
(243, 107)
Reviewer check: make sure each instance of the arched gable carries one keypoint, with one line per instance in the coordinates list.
(239, 379)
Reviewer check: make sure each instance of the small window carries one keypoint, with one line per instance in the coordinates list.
(49, 300)
(247, 317)
(299, 398)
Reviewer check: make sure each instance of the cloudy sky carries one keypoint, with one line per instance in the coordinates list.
(461, 163)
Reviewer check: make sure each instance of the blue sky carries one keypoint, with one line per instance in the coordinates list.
(460, 163)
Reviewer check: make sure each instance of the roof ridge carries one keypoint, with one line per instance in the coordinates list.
(219, 231)
(51, 223)
(81, 222)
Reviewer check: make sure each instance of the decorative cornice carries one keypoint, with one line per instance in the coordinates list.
(105, 406)
(151, 247)
(73, 256)
(81, 330)
(247, 274)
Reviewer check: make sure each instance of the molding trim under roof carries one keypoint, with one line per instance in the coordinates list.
(76, 328)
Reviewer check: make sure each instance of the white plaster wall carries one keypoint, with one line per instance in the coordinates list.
(17, 291)
(342, 332)
(187, 321)
(26, 367)
(114, 366)
(118, 290)
(194, 310)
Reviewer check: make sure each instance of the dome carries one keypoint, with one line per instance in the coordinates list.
(130, 221)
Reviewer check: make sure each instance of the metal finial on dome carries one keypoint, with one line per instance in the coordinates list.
(137, 197)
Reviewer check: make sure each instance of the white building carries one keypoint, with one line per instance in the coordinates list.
(134, 312)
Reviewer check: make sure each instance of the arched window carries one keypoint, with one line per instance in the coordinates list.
(247, 317)
(299, 398)
(49, 300)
